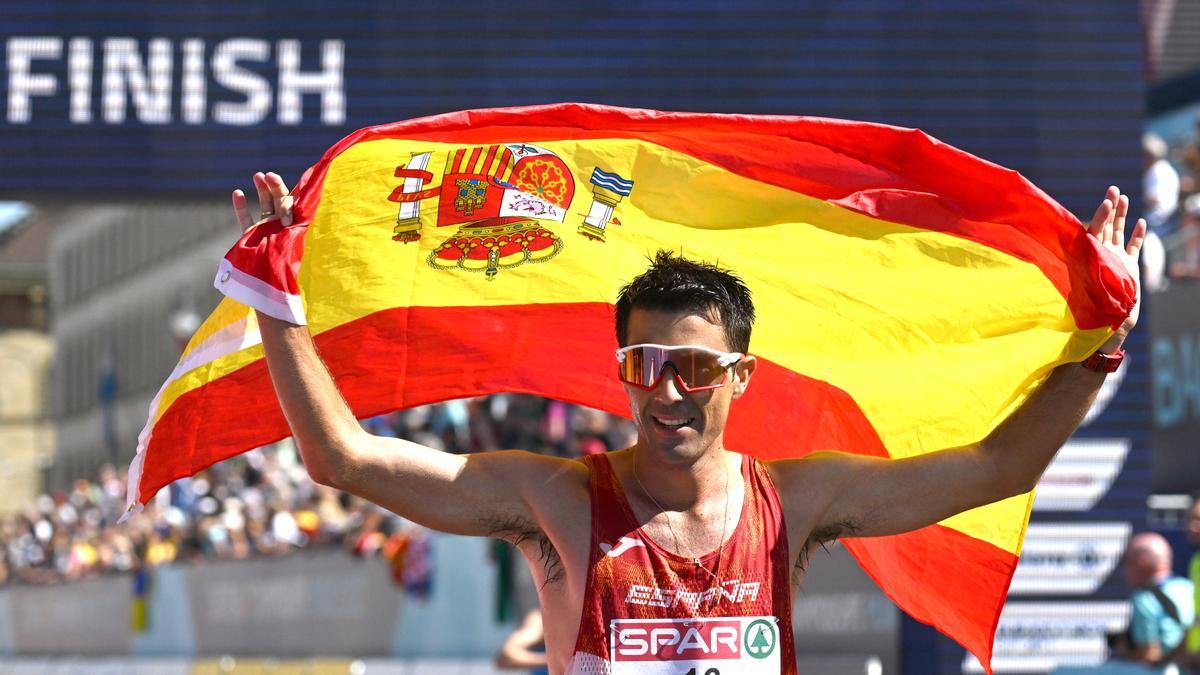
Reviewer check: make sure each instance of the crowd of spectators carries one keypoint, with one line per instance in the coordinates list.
(262, 503)
(1171, 189)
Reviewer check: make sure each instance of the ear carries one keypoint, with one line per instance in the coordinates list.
(741, 375)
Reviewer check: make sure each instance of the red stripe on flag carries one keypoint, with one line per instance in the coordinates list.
(527, 349)
(506, 165)
(486, 167)
(938, 571)
(457, 163)
(472, 165)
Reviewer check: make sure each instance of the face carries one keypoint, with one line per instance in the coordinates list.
(674, 425)
(1147, 557)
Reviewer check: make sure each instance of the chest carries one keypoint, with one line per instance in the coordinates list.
(689, 536)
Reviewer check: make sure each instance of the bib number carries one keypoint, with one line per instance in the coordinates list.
(695, 646)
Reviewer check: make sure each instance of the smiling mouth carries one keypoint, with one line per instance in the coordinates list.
(673, 422)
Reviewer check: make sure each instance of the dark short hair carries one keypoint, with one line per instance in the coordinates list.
(676, 284)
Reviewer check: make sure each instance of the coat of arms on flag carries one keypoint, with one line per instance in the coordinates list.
(503, 198)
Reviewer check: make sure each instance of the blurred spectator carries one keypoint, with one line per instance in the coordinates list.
(1172, 246)
(1186, 262)
(1189, 156)
(1160, 190)
(1160, 184)
(1154, 263)
(1162, 607)
(262, 503)
(525, 647)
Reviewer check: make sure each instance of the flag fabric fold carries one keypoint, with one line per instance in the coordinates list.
(910, 296)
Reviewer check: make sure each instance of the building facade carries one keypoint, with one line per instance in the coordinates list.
(128, 285)
(26, 435)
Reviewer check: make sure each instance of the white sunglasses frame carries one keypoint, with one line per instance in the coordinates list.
(724, 359)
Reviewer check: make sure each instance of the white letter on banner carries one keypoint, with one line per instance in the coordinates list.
(195, 88)
(149, 84)
(21, 83)
(79, 79)
(327, 82)
(231, 76)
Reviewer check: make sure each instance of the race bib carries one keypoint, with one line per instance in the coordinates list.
(747, 645)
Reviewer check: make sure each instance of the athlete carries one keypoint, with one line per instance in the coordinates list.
(674, 552)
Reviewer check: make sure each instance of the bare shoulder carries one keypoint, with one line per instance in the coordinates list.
(558, 473)
(808, 486)
(826, 468)
(544, 481)
(809, 476)
(554, 534)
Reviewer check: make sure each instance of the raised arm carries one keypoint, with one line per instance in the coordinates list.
(463, 494)
(851, 495)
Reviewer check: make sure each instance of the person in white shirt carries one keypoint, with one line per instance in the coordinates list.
(1160, 184)
(1160, 190)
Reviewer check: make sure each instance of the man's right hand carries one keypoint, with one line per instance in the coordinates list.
(274, 200)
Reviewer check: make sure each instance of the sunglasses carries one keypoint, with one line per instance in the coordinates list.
(696, 368)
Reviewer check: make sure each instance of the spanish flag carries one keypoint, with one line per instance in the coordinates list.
(910, 296)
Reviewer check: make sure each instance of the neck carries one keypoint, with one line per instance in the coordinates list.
(684, 486)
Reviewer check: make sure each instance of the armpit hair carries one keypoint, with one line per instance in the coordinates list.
(822, 538)
(518, 531)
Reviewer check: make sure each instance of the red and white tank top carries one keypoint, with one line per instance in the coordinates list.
(647, 611)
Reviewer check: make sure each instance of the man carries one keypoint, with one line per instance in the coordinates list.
(1161, 607)
(1160, 190)
(1160, 184)
(646, 545)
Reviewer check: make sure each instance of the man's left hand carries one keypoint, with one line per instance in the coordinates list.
(1108, 227)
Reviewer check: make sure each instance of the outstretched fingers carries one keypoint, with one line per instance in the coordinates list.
(273, 200)
(1118, 236)
(281, 201)
(1112, 195)
(266, 203)
(241, 209)
(1104, 214)
(1134, 247)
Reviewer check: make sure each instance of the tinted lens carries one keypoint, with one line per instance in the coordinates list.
(697, 368)
(643, 365)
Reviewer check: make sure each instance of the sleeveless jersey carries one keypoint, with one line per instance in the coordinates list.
(647, 611)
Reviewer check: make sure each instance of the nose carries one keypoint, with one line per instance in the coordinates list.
(668, 389)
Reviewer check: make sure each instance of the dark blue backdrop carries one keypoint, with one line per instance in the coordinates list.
(1051, 89)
